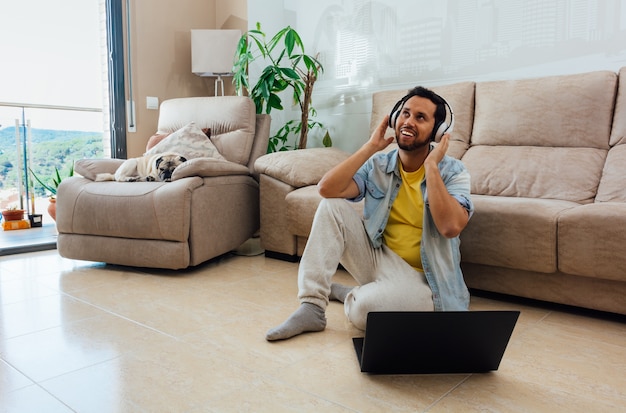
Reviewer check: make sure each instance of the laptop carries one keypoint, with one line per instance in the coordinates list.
(434, 342)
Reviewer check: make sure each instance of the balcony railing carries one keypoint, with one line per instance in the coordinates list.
(42, 139)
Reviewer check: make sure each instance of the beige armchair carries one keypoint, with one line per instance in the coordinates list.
(210, 207)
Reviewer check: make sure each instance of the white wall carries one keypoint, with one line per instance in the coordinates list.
(368, 45)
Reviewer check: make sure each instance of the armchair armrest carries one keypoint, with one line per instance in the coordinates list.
(301, 167)
(208, 167)
(89, 168)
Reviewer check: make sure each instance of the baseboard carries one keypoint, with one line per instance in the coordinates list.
(23, 249)
(281, 256)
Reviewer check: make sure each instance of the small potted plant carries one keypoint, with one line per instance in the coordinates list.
(52, 187)
(12, 213)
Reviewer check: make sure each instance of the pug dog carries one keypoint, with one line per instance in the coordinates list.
(157, 167)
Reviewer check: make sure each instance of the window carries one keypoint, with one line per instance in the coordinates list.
(62, 76)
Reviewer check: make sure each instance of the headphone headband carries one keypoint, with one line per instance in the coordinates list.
(440, 128)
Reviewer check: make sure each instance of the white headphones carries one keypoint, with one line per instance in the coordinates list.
(439, 130)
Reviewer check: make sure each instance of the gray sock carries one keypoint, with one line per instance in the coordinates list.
(338, 292)
(309, 317)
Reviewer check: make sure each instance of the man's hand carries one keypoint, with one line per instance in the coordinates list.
(378, 140)
(436, 155)
(338, 182)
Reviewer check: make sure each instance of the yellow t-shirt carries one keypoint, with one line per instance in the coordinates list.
(403, 233)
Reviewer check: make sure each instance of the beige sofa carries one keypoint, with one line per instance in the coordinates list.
(210, 207)
(547, 158)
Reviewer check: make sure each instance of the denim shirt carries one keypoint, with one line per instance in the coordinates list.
(379, 182)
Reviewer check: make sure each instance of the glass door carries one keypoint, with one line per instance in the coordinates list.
(53, 99)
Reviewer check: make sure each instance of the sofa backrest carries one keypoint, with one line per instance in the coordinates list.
(460, 97)
(613, 183)
(542, 138)
(232, 120)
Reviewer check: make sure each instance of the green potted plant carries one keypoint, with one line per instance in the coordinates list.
(53, 186)
(287, 67)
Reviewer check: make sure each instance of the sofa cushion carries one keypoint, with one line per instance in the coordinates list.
(542, 138)
(232, 120)
(190, 141)
(570, 174)
(460, 96)
(158, 137)
(572, 111)
(591, 238)
(518, 233)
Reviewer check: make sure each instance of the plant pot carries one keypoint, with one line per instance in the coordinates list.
(13, 214)
(36, 220)
(52, 208)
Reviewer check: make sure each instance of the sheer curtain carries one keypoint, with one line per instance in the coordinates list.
(66, 53)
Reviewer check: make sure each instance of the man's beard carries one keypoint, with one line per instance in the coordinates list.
(413, 146)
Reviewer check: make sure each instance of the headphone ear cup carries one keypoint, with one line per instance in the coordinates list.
(393, 118)
(395, 112)
(441, 130)
(445, 127)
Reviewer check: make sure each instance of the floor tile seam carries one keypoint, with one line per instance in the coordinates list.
(283, 382)
(447, 393)
(242, 364)
(594, 395)
(42, 383)
(10, 273)
(578, 393)
(41, 330)
(592, 320)
(30, 379)
(531, 328)
(222, 295)
(586, 339)
(114, 314)
(569, 394)
(53, 293)
(261, 372)
(165, 304)
(38, 385)
(296, 360)
(258, 275)
(567, 377)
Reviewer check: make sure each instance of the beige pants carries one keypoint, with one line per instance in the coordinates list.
(386, 281)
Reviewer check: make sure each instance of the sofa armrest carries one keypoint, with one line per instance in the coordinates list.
(301, 167)
(89, 168)
(208, 167)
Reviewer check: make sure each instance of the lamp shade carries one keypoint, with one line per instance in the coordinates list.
(213, 51)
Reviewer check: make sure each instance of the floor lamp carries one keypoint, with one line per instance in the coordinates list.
(212, 54)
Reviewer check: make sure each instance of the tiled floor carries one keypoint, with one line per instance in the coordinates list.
(87, 337)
